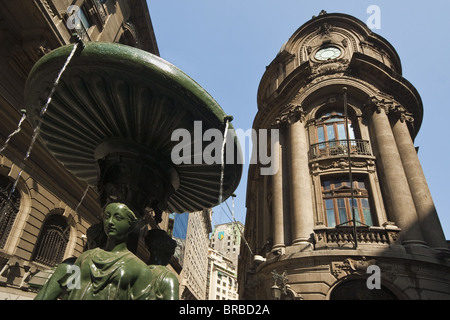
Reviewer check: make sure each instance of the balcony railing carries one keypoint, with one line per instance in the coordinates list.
(339, 148)
(343, 237)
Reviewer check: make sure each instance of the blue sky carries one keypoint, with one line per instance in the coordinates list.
(226, 45)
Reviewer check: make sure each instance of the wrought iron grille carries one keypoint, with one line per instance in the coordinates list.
(52, 241)
(339, 148)
(9, 207)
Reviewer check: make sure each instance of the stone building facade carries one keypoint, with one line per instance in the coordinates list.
(226, 239)
(50, 211)
(193, 276)
(221, 277)
(349, 200)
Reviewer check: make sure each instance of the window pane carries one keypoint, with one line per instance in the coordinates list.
(321, 134)
(341, 210)
(84, 19)
(326, 185)
(366, 211)
(333, 120)
(350, 132)
(329, 207)
(330, 133)
(341, 131)
(331, 221)
(356, 210)
(368, 217)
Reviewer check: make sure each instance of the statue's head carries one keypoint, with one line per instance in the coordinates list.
(96, 237)
(118, 220)
(160, 245)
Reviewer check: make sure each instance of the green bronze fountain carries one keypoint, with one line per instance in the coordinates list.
(110, 122)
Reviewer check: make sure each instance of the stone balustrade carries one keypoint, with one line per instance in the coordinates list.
(342, 236)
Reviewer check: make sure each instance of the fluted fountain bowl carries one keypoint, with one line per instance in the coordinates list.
(110, 123)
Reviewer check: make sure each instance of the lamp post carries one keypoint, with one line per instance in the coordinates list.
(276, 290)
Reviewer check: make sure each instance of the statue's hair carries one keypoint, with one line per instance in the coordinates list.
(158, 240)
(96, 236)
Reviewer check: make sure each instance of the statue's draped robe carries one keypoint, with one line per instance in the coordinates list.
(162, 281)
(112, 276)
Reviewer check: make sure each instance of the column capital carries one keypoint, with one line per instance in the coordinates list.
(401, 114)
(279, 123)
(292, 114)
(377, 104)
(296, 113)
(389, 106)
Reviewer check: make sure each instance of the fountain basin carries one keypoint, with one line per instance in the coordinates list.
(110, 123)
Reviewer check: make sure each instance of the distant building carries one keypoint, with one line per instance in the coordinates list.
(191, 231)
(222, 277)
(226, 239)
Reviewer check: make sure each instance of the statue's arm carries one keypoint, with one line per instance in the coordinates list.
(53, 288)
(170, 287)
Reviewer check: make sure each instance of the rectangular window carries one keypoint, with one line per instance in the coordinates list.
(337, 196)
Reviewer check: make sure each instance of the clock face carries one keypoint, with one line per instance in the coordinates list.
(328, 53)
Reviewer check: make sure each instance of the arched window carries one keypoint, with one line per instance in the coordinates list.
(332, 136)
(331, 127)
(331, 132)
(52, 241)
(8, 208)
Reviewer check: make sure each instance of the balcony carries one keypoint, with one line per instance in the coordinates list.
(339, 148)
(342, 237)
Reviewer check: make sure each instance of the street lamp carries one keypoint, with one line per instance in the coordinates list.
(276, 290)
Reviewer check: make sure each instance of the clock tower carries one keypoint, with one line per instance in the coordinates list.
(348, 214)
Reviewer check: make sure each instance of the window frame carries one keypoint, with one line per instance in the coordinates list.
(339, 194)
(51, 243)
(325, 120)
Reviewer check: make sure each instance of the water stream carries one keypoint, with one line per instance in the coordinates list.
(24, 116)
(223, 160)
(77, 207)
(36, 129)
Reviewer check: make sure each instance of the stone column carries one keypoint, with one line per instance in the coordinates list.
(426, 211)
(277, 196)
(302, 214)
(397, 191)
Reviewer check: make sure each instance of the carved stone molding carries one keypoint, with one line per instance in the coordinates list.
(324, 29)
(296, 113)
(328, 68)
(292, 114)
(351, 266)
(319, 166)
(389, 106)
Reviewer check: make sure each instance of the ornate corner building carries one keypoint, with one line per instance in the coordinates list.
(349, 192)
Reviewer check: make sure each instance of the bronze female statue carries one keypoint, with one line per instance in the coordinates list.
(109, 273)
